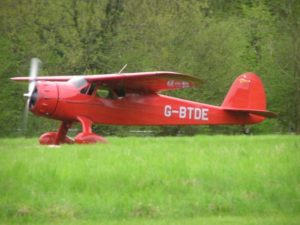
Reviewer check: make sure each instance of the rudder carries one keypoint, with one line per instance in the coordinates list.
(247, 94)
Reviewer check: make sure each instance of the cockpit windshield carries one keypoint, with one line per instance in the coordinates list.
(78, 81)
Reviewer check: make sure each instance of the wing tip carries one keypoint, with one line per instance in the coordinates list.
(19, 78)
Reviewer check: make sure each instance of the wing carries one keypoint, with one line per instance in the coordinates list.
(134, 82)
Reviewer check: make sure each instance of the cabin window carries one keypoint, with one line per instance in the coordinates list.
(88, 90)
(120, 92)
(103, 93)
(91, 89)
(78, 81)
(84, 90)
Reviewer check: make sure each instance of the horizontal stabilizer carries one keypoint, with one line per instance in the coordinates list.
(263, 113)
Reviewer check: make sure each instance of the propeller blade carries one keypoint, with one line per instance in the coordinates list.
(25, 116)
(34, 69)
(33, 74)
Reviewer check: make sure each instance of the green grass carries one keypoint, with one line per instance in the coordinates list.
(176, 180)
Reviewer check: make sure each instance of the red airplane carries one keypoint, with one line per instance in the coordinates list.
(135, 99)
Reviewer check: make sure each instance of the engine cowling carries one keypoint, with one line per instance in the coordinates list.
(44, 99)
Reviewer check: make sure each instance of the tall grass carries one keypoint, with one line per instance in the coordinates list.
(175, 178)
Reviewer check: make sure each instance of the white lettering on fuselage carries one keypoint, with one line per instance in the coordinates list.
(183, 112)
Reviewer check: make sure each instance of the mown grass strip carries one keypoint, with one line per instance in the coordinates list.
(163, 179)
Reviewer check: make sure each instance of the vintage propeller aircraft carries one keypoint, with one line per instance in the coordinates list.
(135, 99)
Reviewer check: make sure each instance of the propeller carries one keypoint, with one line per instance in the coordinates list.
(32, 90)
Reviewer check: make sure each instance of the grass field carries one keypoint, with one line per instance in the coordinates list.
(174, 180)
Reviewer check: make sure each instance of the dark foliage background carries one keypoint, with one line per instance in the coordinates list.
(215, 40)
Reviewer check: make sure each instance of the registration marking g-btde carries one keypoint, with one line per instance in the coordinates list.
(188, 112)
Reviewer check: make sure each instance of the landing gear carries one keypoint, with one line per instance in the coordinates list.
(85, 137)
(246, 130)
(56, 138)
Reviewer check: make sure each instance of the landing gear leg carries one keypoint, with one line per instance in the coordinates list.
(56, 138)
(87, 136)
(246, 130)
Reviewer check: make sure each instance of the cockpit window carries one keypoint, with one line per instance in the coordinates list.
(78, 81)
(88, 90)
(84, 90)
(91, 89)
(99, 90)
(120, 92)
(105, 92)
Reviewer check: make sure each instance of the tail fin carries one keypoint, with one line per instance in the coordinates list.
(247, 94)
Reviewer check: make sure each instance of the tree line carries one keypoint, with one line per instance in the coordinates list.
(215, 40)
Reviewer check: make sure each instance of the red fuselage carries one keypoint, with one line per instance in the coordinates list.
(64, 101)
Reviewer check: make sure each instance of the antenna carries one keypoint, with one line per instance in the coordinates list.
(123, 68)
